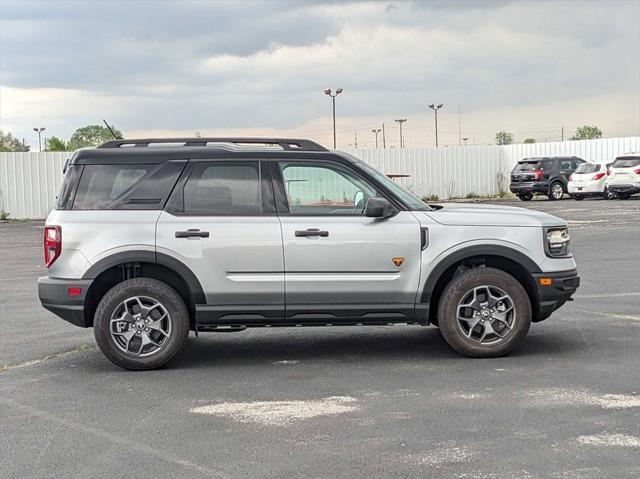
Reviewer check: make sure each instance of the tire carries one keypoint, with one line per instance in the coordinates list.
(168, 332)
(526, 197)
(465, 339)
(624, 196)
(556, 191)
(608, 195)
(578, 197)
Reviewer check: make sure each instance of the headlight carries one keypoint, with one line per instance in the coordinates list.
(557, 242)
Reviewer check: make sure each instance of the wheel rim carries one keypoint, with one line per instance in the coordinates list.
(486, 314)
(140, 326)
(556, 191)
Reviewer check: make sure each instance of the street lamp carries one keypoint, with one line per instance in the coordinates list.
(435, 109)
(333, 96)
(39, 131)
(375, 132)
(401, 121)
(465, 141)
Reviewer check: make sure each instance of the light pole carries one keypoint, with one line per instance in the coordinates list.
(333, 96)
(400, 121)
(465, 141)
(375, 132)
(39, 132)
(435, 109)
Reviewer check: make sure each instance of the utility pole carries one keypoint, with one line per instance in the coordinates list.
(375, 132)
(400, 121)
(562, 134)
(465, 140)
(39, 132)
(355, 139)
(384, 138)
(435, 109)
(333, 96)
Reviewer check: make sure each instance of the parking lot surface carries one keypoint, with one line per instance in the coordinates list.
(335, 402)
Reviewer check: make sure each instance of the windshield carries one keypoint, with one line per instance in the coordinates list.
(626, 162)
(587, 168)
(407, 197)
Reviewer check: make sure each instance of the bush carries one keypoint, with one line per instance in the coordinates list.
(429, 198)
(4, 215)
(471, 196)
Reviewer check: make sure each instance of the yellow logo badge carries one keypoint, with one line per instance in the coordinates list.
(398, 260)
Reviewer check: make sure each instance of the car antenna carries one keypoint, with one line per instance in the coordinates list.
(115, 137)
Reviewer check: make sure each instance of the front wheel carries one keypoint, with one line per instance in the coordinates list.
(484, 312)
(556, 191)
(141, 324)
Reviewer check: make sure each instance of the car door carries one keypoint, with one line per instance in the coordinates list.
(566, 167)
(341, 266)
(221, 223)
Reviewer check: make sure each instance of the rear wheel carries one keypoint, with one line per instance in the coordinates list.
(556, 191)
(484, 312)
(578, 197)
(608, 194)
(525, 196)
(141, 324)
(624, 196)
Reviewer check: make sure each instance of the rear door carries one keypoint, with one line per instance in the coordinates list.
(566, 167)
(341, 266)
(221, 223)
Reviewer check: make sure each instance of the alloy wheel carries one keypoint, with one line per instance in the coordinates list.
(486, 314)
(557, 191)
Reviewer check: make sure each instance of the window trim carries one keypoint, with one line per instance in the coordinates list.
(267, 201)
(282, 203)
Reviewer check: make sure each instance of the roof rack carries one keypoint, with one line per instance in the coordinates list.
(284, 143)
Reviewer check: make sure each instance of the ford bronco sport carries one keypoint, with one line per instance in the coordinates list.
(151, 239)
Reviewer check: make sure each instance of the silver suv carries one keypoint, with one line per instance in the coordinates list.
(152, 239)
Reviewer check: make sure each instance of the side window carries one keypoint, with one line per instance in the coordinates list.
(101, 185)
(324, 189)
(222, 188)
(546, 165)
(566, 165)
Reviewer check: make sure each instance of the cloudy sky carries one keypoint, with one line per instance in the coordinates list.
(259, 68)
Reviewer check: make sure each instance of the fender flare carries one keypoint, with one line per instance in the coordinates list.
(146, 256)
(469, 252)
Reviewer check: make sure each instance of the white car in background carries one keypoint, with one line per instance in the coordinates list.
(624, 176)
(589, 179)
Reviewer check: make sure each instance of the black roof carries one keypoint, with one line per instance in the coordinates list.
(158, 150)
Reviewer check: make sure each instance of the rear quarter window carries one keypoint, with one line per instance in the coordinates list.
(134, 186)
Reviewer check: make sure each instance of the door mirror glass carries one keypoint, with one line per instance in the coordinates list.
(379, 208)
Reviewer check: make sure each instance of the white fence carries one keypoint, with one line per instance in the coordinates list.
(29, 182)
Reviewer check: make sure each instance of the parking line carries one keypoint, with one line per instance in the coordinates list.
(610, 315)
(123, 441)
(610, 295)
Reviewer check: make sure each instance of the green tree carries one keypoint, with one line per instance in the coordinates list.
(56, 144)
(587, 132)
(529, 140)
(10, 143)
(504, 138)
(91, 135)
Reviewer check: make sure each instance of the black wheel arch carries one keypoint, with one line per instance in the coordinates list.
(507, 259)
(119, 267)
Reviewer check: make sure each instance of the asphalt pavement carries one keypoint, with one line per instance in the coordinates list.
(354, 402)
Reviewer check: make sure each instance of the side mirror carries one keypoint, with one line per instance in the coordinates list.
(379, 208)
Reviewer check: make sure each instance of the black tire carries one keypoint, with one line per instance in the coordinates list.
(624, 196)
(525, 196)
(454, 293)
(578, 197)
(170, 300)
(609, 195)
(554, 191)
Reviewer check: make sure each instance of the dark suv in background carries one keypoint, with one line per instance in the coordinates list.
(547, 176)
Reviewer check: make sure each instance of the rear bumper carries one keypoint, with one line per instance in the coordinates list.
(624, 188)
(529, 187)
(551, 297)
(585, 189)
(54, 296)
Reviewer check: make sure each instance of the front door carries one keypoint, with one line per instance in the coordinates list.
(221, 224)
(339, 264)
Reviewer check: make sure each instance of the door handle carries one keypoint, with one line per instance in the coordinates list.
(311, 232)
(192, 233)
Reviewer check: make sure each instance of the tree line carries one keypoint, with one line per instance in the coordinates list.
(585, 132)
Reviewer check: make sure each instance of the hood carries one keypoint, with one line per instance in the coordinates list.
(465, 214)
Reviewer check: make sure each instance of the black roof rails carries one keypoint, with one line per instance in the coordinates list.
(284, 143)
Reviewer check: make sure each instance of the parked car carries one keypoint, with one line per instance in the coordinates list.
(589, 180)
(548, 176)
(146, 244)
(624, 176)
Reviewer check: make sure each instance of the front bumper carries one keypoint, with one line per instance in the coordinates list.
(54, 296)
(562, 284)
(529, 187)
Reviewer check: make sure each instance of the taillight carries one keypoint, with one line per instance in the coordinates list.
(637, 171)
(538, 174)
(570, 177)
(52, 244)
(598, 176)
